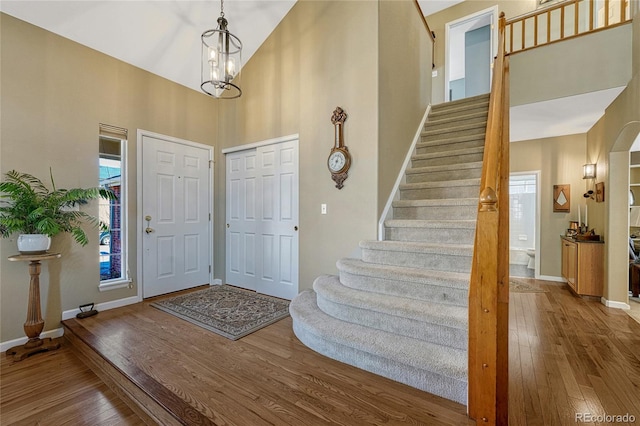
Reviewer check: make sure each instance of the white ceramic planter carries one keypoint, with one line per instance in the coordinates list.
(33, 243)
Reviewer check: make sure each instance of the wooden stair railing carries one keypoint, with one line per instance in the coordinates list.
(562, 21)
(489, 286)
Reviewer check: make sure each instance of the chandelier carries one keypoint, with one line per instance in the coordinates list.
(221, 61)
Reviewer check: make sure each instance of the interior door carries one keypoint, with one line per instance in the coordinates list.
(241, 219)
(278, 227)
(176, 190)
(262, 219)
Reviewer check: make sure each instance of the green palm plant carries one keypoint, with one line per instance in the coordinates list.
(28, 206)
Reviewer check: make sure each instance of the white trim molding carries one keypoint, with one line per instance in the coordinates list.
(614, 304)
(105, 306)
(551, 278)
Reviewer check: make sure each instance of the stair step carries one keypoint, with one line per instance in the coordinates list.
(441, 324)
(449, 208)
(457, 156)
(439, 111)
(433, 144)
(465, 129)
(459, 103)
(439, 257)
(435, 231)
(448, 121)
(440, 370)
(463, 188)
(444, 173)
(438, 286)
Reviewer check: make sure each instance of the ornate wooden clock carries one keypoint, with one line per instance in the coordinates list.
(339, 158)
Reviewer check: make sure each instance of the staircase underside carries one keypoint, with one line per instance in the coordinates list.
(401, 310)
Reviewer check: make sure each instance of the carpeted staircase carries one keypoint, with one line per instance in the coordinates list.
(401, 310)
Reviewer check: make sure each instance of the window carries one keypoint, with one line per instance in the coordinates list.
(113, 242)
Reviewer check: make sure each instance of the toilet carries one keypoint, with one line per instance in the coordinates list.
(532, 258)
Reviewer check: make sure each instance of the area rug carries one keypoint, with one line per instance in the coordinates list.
(520, 286)
(226, 310)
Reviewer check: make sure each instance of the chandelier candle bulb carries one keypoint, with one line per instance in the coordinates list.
(586, 216)
(579, 219)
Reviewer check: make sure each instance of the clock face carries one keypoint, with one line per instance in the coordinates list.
(337, 160)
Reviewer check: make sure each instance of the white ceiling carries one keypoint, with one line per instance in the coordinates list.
(163, 37)
(559, 117)
(429, 7)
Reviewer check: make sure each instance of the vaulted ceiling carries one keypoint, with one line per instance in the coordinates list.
(163, 37)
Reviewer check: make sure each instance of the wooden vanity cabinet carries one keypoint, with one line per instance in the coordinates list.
(583, 266)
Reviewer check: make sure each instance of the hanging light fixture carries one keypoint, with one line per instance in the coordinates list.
(221, 61)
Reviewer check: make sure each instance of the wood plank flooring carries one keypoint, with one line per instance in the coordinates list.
(567, 355)
(56, 388)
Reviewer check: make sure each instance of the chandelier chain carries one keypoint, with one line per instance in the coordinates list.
(222, 8)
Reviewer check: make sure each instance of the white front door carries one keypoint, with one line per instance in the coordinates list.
(262, 219)
(176, 189)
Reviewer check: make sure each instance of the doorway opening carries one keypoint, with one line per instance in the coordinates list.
(470, 46)
(523, 225)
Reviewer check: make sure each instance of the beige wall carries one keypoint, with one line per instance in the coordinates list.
(559, 161)
(405, 87)
(549, 72)
(54, 94)
(608, 144)
(322, 55)
(438, 21)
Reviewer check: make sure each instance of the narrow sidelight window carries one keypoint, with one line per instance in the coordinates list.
(113, 175)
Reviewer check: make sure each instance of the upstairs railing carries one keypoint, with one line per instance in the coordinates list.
(489, 285)
(562, 21)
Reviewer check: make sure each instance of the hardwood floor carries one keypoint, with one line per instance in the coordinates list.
(56, 388)
(567, 355)
(570, 355)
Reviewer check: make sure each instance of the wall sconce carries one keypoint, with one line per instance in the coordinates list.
(589, 171)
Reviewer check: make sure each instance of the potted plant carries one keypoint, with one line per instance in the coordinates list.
(29, 207)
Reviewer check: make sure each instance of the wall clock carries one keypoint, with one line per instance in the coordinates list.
(339, 159)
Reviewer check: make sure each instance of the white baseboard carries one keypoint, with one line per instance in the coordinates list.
(103, 306)
(4, 346)
(614, 304)
(216, 281)
(59, 332)
(551, 278)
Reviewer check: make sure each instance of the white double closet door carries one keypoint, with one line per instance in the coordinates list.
(262, 218)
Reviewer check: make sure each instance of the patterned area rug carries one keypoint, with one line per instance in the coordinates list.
(226, 310)
(517, 285)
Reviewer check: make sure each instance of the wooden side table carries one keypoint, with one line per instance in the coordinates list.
(34, 325)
